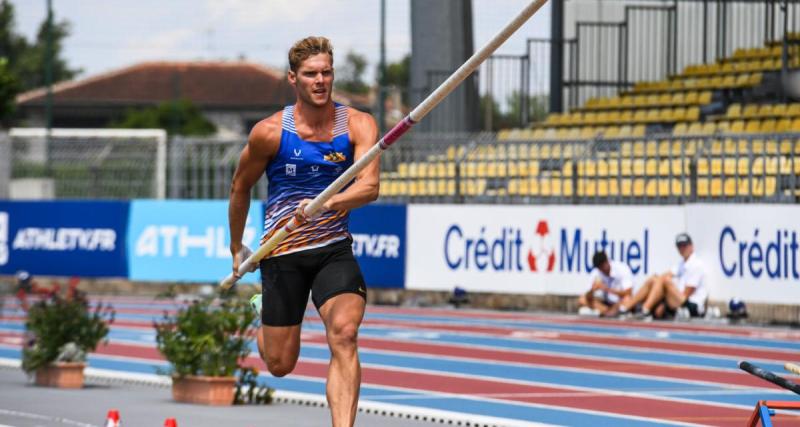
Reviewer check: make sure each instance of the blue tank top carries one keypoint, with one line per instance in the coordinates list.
(301, 170)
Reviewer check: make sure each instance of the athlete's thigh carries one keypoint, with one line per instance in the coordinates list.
(280, 343)
(338, 274)
(285, 285)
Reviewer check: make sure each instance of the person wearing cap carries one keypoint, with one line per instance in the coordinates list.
(612, 283)
(683, 287)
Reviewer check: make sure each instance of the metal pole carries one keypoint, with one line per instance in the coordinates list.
(48, 81)
(556, 56)
(382, 73)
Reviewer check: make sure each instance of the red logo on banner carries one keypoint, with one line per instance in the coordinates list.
(542, 257)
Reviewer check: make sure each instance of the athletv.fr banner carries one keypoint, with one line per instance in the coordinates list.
(379, 244)
(186, 240)
(65, 238)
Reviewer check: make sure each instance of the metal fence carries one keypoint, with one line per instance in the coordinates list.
(657, 170)
(483, 168)
(606, 53)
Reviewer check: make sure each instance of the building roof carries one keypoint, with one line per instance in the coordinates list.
(206, 84)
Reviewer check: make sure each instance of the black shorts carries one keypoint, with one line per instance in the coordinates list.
(286, 281)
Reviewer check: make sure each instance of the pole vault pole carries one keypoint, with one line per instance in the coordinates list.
(390, 138)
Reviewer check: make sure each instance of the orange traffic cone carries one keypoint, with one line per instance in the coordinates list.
(112, 419)
(170, 422)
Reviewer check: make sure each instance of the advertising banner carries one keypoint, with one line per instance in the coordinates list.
(750, 251)
(65, 238)
(186, 240)
(379, 244)
(534, 249)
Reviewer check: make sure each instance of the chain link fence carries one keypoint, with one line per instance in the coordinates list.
(444, 168)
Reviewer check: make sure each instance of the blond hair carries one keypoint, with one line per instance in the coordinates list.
(308, 47)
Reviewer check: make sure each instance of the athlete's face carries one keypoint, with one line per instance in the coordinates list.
(313, 80)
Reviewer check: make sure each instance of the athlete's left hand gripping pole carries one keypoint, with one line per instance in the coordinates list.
(393, 135)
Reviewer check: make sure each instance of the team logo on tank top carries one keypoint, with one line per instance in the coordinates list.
(335, 157)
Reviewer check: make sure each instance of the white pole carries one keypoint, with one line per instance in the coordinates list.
(393, 135)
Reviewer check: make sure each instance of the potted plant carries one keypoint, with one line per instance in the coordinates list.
(61, 332)
(205, 344)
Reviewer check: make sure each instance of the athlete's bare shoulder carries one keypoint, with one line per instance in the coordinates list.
(265, 137)
(362, 126)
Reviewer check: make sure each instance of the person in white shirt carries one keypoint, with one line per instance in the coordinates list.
(685, 286)
(612, 283)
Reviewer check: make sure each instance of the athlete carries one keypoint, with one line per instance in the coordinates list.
(612, 283)
(304, 148)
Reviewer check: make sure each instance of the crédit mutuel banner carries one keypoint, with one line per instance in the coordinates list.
(534, 249)
(751, 251)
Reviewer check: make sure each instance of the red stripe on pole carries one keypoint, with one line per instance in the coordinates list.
(397, 131)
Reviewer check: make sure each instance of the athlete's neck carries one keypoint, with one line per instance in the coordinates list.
(317, 118)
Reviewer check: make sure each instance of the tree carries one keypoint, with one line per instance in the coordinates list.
(176, 117)
(24, 61)
(398, 75)
(350, 76)
(8, 90)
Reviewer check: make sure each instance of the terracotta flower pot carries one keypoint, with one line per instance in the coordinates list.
(217, 391)
(61, 375)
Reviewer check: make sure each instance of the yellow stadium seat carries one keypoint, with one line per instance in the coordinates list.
(769, 126)
(638, 187)
(705, 98)
(692, 98)
(765, 110)
(681, 129)
(730, 187)
(716, 187)
(737, 126)
(734, 111)
(708, 128)
(654, 115)
(639, 131)
(779, 110)
(755, 79)
(693, 114)
(753, 126)
(640, 116)
(651, 167)
(703, 187)
(664, 148)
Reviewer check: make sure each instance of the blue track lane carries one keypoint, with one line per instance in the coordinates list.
(512, 411)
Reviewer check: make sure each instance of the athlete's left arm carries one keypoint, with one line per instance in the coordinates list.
(365, 189)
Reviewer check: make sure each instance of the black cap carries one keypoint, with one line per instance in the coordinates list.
(682, 239)
(598, 259)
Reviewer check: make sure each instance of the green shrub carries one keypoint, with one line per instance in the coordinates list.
(64, 327)
(206, 340)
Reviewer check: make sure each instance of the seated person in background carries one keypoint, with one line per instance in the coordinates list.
(683, 287)
(612, 283)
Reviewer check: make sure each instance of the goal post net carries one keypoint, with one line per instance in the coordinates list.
(92, 163)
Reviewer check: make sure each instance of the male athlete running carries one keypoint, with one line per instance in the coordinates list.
(304, 148)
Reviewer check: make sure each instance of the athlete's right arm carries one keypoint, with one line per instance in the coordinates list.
(262, 145)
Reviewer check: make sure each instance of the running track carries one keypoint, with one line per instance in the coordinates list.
(516, 368)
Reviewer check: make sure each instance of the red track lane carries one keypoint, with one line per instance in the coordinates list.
(731, 330)
(639, 343)
(566, 398)
(545, 395)
(610, 367)
(600, 366)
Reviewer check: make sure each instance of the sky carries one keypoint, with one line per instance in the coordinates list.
(111, 34)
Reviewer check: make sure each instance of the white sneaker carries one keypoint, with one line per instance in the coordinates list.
(255, 302)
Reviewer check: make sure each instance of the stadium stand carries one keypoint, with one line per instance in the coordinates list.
(703, 134)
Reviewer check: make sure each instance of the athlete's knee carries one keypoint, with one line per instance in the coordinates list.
(342, 336)
(280, 367)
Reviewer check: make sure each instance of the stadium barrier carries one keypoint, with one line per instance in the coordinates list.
(751, 251)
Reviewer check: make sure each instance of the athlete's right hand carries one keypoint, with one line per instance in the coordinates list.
(300, 213)
(241, 253)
